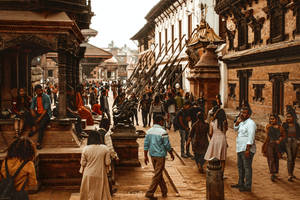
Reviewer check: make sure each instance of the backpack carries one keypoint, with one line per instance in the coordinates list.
(7, 186)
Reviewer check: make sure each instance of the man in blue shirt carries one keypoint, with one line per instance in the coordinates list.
(245, 148)
(158, 144)
(41, 112)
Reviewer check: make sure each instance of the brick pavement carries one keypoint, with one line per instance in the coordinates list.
(132, 183)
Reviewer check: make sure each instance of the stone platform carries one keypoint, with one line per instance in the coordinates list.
(58, 162)
(125, 144)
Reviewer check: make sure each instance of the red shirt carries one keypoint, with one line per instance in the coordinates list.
(97, 109)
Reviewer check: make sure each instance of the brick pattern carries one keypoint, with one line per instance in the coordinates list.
(260, 74)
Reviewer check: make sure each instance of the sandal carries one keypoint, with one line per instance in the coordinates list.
(17, 135)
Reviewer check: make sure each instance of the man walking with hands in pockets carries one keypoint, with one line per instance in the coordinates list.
(245, 148)
(158, 144)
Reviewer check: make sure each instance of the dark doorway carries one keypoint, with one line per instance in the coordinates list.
(243, 76)
(278, 80)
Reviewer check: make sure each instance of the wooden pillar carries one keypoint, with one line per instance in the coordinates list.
(62, 76)
(76, 68)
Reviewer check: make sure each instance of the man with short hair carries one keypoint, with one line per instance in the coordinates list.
(158, 144)
(245, 148)
(183, 127)
(41, 111)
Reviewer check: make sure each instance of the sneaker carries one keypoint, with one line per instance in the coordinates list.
(39, 146)
(184, 155)
(236, 186)
(151, 197)
(244, 189)
(273, 178)
(84, 134)
(189, 155)
(290, 179)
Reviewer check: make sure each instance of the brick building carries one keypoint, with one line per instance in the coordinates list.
(262, 53)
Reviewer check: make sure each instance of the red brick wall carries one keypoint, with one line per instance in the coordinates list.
(260, 75)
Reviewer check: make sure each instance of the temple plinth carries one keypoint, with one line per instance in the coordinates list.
(125, 144)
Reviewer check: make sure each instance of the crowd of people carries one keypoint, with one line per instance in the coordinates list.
(207, 134)
(202, 129)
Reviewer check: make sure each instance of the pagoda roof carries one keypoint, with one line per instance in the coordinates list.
(95, 52)
(205, 34)
(112, 60)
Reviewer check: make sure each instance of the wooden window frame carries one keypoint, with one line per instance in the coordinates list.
(258, 92)
(173, 37)
(190, 25)
(180, 33)
(166, 40)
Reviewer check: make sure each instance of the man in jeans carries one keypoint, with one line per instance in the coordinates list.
(245, 147)
(41, 112)
(183, 126)
(158, 144)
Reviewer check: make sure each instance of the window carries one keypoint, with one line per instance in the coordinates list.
(172, 30)
(159, 42)
(298, 21)
(242, 34)
(232, 87)
(50, 73)
(258, 88)
(297, 90)
(180, 33)
(277, 18)
(108, 74)
(166, 40)
(146, 43)
(190, 26)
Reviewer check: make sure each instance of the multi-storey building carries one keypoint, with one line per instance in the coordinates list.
(262, 53)
(170, 24)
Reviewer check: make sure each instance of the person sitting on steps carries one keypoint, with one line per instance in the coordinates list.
(41, 112)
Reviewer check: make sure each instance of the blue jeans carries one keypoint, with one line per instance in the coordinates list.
(183, 139)
(245, 169)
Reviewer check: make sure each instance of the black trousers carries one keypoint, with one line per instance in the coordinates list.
(145, 117)
(42, 126)
(78, 127)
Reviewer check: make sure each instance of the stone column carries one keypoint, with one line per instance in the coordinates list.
(214, 180)
(62, 76)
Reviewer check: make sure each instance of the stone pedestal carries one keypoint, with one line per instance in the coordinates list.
(126, 146)
(214, 180)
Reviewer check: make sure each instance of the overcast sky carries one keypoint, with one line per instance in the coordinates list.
(118, 20)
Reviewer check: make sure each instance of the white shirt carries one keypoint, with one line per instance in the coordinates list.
(246, 135)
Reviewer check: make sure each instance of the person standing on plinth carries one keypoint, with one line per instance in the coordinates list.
(245, 148)
(158, 144)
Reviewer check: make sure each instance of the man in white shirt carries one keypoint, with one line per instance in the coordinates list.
(245, 148)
